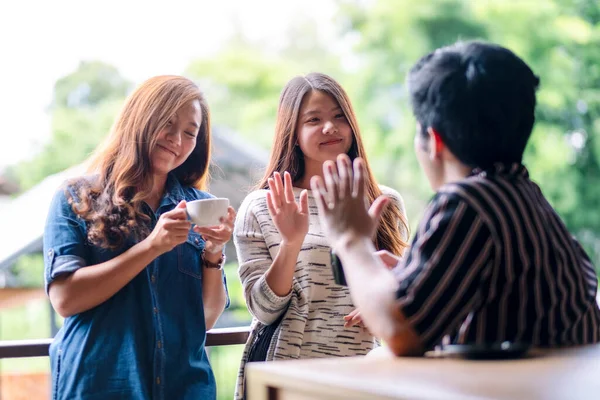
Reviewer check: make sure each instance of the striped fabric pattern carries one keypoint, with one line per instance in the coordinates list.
(492, 261)
(313, 324)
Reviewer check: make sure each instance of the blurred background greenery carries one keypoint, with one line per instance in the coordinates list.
(377, 42)
(381, 39)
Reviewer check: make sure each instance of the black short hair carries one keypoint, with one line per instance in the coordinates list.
(479, 97)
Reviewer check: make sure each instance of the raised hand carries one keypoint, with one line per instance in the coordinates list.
(290, 217)
(342, 202)
(215, 237)
(171, 229)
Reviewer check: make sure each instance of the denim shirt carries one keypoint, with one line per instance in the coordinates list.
(146, 341)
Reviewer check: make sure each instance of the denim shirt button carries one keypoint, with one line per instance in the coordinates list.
(50, 253)
(157, 380)
(196, 240)
(153, 278)
(155, 310)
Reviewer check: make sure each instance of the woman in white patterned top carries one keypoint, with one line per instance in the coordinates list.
(284, 257)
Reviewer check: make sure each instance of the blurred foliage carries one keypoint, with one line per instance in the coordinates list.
(225, 361)
(558, 38)
(377, 42)
(28, 271)
(243, 81)
(83, 109)
(26, 321)
(92, 84)
(238, 314)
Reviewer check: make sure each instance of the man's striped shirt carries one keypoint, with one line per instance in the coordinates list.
(492, 261)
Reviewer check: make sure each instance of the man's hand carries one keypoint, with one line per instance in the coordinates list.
(343, 210)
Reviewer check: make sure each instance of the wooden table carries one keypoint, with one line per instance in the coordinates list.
(560, 374)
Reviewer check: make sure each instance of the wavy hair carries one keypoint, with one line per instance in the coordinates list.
(121, 172)
(285, 156)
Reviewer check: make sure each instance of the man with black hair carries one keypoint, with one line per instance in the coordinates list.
(491, 261)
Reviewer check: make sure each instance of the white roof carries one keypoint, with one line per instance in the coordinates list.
(22, 220)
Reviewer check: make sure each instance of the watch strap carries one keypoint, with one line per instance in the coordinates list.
(212, 265)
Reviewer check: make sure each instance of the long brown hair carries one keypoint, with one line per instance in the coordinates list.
(111, 200)
(286, 156)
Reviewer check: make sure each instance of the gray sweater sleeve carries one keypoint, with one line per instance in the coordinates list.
(255, 258)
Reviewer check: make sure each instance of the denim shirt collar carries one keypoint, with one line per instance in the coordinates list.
(173, 191)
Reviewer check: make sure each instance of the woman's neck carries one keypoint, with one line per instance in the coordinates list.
(309, 172)
(156, 192)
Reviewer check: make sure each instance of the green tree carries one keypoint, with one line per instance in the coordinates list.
(243, 81)
(84, 106)
(559, 39)
(92, 84)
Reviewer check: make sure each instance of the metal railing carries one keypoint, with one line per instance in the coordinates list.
(39, 347)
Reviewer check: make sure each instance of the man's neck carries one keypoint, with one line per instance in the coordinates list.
(456, 171)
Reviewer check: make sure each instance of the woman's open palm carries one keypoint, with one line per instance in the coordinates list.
(290, 217)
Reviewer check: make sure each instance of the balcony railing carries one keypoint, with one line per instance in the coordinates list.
(39, 347)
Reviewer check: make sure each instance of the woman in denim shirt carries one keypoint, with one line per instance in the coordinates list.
(137, 285)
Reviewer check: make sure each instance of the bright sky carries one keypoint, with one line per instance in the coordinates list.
(43, 40)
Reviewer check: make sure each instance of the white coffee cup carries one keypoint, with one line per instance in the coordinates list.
(207, 212)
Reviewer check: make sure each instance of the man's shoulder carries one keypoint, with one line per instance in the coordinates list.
(474, 189)
(486, 198)
(470, 196)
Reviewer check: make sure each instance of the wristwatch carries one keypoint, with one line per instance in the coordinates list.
(208, 264)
